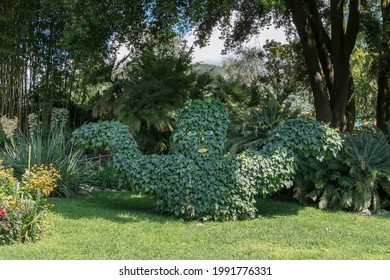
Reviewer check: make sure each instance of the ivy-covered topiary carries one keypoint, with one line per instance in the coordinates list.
(201, 129)
(115, 138)
(201, 188)
(197, 181)
(306, 138)
(267, 174)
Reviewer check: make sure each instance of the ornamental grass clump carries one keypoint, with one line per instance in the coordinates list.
(23, 204)
(48, 148)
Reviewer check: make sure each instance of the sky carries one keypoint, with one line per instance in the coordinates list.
(211, 54)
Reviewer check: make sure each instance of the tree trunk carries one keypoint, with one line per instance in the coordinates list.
(383, 101)
(320, 94)
(331, 83)
(350, 109)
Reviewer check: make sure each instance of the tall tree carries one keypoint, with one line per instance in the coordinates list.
(327, 31)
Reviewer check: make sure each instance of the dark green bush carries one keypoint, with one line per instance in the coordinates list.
(267, 174)
(201, 188)
(304, 137)
(105, 176)
(357, 179)
(253, 133)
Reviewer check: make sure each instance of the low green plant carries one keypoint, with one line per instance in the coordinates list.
(267, 173)
(357, 179)
(51, 148)
(204, 189)
(105, 176)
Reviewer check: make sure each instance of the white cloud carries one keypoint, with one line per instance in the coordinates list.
(211, 54)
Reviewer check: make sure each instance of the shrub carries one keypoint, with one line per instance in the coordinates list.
(267, 174)
(198, 189)
(105, 176)
(260, 120)
(354, 180)
(291, 144)
(52, 148)
(306, 138)
(23, 205)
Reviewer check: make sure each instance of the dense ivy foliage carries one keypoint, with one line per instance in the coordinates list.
(201, 188)
(201, 125)
(306, 138)
(115, 138)
(197, 181)
(267, 174)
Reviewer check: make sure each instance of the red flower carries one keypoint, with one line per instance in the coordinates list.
(2, 212)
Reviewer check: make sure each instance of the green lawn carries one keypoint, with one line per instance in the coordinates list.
(124, 226)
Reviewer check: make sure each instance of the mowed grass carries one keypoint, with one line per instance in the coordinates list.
(124, 226)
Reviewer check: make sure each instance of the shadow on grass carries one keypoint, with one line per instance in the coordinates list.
(126, 207)
(273, 207)
(120, 207)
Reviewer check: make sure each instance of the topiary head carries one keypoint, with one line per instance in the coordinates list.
(201, 129)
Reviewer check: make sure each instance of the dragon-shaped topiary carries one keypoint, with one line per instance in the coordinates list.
(195, 181)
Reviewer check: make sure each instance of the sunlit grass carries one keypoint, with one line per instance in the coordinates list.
(124, 226)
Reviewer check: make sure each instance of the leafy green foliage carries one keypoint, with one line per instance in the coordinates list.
(357, 179)
(203, 188)
(201, 125)
(266, 173)
(306, 138)
(52, 148)
(196, 182)
(105, 176)
(116, 138)
(150, 89)
(253, 134)
(289, 145)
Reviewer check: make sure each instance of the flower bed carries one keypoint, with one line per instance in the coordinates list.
(23, 204)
